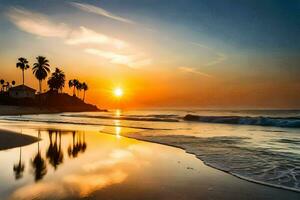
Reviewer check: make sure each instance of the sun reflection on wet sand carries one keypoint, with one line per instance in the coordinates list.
(84, 170)
(118, 132)
(74, 164)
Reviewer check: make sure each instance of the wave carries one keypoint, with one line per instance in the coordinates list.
(288, 122)
(154, 118)
(232, 155)
(285, 122)
(82, 123)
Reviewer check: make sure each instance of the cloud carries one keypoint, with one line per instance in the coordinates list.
(85, 36)
(194, 71)
(101, 12)
(112, 56)
(36, 23)
(220, 57)
(41, 25)
(141, 63)
(200, 45)
(133, 61)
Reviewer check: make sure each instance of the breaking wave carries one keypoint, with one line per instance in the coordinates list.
(288, 122)
(233, 155)
(154, 118)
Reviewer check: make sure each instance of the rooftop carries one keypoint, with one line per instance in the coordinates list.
(22, 87)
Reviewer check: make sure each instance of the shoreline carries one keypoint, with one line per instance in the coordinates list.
(6, 110)
(141, 138)
(152, 140)
(263, 188)
(10, 139)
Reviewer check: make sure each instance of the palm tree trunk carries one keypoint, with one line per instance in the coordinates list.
(83, 95)
(23, 76)
(40, 85)
(74, 91)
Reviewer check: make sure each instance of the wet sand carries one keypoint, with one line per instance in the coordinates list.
(9, 139)
(22, 110)
(17, 110)
(116, 167)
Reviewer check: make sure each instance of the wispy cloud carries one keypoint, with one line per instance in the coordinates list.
(193, 71)
(100, 11)
(86, 36)
(219, 57)
(42, 25)
(141, 63)
(133, 61)
(112, 56)
(36, 23)
(200, 45)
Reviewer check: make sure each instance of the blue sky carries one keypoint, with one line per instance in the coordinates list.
(249, 24)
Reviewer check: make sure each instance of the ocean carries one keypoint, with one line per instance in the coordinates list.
(261, 146)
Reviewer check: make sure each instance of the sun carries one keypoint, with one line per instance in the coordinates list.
(118, 92)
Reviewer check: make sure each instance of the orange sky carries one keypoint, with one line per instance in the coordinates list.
(157, 62)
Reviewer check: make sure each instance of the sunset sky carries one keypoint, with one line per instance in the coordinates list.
(179, 53)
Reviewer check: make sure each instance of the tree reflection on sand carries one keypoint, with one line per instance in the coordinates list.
(19, 167)
(78, 145)
(39, 164)
(54, 154)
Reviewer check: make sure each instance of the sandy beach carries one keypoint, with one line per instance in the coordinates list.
(26, 110)
(79, 162)
(10, 139)
(18, 110)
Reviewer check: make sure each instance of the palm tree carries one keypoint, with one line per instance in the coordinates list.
(7, 86)
(73, 83)
(79, 88)
(85, 88)
(23, 65)
(57, 80)
(2, 84)
(41, 69)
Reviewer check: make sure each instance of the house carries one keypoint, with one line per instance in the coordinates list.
(22, 91)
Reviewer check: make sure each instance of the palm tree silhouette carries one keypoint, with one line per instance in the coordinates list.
(19, 167)
(85, 88)
(2, 84)
(79, 88)
(73, 83)
(23, 65)
(7, 86)
(41, 69)
(57, 80)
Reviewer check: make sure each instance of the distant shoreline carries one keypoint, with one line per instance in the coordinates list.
(24, 110)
